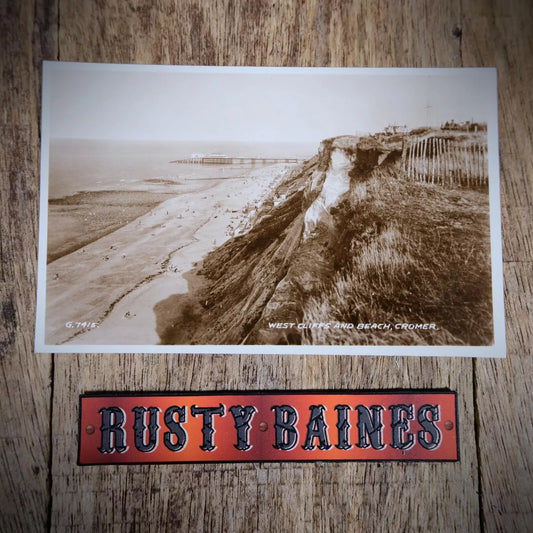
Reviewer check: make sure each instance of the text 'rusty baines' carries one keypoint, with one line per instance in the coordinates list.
(268, 427)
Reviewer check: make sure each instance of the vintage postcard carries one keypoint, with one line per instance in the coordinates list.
(270, 210)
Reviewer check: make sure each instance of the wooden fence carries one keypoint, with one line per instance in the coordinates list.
(446, 161)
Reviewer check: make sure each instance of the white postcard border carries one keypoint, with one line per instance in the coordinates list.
(496, 350)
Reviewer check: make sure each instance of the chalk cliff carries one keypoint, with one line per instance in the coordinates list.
(344, 237)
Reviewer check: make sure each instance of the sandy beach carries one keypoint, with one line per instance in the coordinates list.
(116, 280)
(82, 218)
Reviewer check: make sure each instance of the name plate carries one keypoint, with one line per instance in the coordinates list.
(131, 428)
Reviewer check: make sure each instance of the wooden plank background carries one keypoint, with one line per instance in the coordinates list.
(42, 489)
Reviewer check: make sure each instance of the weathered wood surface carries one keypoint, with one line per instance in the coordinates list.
(42, 488)
(25, 382)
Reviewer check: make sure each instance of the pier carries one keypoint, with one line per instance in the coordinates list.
(227, 160)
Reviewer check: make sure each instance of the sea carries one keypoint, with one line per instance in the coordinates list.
(77, 165)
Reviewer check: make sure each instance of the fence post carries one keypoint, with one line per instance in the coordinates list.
(402, 166)
(438, 171)
(446, 155)
(425, 167)
(485, 164)
(443, 160)
(432, 150)
(468, 166)
(409, 158)
(415, 161)
(475, 157)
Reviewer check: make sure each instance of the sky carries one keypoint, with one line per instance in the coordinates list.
(133, 102)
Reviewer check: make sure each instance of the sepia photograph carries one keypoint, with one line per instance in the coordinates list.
(269, 210)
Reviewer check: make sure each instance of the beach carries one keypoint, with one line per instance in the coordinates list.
(82, 218)
(139, 252)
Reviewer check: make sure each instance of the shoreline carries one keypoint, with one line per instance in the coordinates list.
(77, 220)
(117, 280)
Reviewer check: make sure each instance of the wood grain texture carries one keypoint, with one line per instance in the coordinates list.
(308, 497)
(501, 36)
(25, 380)
(44, 488)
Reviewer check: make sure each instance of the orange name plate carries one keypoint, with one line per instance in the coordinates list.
(268, 426)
